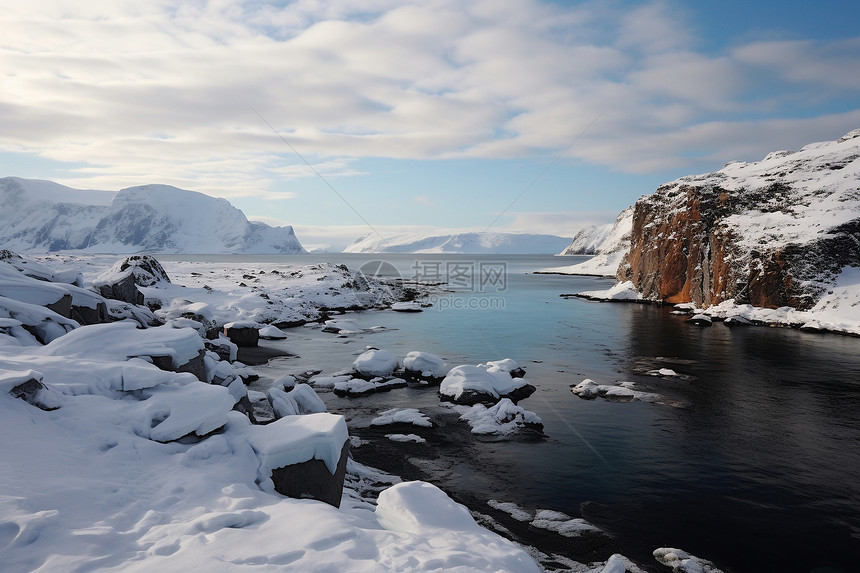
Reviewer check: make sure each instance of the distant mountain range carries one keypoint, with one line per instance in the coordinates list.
(45, 216)
(472, 243)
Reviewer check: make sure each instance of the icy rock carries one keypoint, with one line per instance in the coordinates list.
(563, 524)
(502, 419)
(402, 416)
(407, 306)
(406, 438)
(682, 562)
(424, 366)
(305, 456)
(700, 320)
(373, 363)
(588, 389)
(355, 387)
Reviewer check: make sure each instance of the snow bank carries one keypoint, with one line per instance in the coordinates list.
(123, 340)
(300, 400)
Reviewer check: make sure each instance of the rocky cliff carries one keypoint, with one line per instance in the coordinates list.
(771, 233)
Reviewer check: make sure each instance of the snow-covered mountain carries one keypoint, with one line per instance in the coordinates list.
(46, 216)
(608, 253)
(588, 239)
(472, 243)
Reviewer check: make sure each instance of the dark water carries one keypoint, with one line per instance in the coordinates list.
(752, 461)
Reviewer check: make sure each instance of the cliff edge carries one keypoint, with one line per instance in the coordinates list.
(772, 233)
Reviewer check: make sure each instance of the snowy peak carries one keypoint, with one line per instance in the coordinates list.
(40, 215)
(471, 243)
(51, 192)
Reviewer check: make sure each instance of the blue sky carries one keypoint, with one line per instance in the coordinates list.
(529, 115)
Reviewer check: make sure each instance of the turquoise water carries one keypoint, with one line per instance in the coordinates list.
(751, 461)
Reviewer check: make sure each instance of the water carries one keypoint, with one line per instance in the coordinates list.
(752, 461)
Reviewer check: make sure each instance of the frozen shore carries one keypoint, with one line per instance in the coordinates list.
(111, 463)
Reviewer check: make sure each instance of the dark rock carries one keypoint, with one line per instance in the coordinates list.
(63, 307)
(31, 392)
(134, 271)
(86, 315)
(520, 393)
(313, 479)
(195, 366)
(242, 336)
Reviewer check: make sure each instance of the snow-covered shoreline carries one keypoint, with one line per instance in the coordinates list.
(117, 464)
(838, 311)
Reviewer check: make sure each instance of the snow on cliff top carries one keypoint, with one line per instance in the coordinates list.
(811, 192)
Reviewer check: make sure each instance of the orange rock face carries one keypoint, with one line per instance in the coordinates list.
(680, 252)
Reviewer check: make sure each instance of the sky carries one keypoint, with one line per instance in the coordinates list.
(344, 118)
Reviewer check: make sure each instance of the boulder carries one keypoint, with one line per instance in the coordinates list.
(246, 334)
(484, 384)
(374, 363)
(120, 282)
(304, 456)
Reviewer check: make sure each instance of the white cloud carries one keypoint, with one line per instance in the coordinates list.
(170, 90)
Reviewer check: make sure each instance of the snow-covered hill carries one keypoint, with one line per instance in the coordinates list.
(472, 243)
(588, 240)
(46, 216)
(608, 253)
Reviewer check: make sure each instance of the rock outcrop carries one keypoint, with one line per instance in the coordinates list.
(771, 233)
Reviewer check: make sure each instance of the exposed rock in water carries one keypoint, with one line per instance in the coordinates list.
(772, 233)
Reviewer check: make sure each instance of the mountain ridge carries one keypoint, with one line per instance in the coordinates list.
(38, 216)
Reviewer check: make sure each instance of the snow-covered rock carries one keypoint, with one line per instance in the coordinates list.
(486, 383)
(402, 416)
(504, 418)
(623, 291)
(682, 562)
(373, 363)
(45, 216)
(424, 365)
(473, 243)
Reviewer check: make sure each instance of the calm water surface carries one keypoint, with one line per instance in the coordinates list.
(752, 461)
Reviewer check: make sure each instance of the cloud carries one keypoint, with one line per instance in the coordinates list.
(172, 90)
(422, 200)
